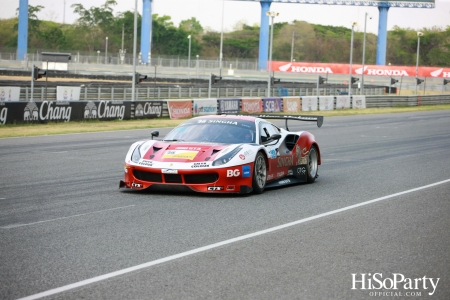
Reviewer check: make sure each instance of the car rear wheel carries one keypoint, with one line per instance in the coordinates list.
(313, 164)
(259, 174)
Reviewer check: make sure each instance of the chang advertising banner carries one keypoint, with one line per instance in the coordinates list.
(63, 111)
(326, 102)
(342, 102)
(106, 110)
(205, 107)
(148, 109)
(68, 93)
(292, 104)
(309, 103)
(272, 105)
(9, 93)
(179, 109)
(251, 106)
(229, 106)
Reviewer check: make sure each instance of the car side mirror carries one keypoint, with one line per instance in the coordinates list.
(275, 137)
(155, 133)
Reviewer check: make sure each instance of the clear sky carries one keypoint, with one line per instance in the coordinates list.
(209, 13)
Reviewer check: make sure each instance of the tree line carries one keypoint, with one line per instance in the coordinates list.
(303, 41)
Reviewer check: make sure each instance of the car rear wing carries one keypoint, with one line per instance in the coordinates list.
(318, 119)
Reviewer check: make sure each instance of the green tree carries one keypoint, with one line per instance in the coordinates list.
(95, 22)
(169, 40)
(191, 26)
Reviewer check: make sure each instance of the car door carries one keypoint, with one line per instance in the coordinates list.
(266, 130)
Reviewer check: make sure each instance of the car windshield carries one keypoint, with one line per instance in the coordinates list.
(214, 130)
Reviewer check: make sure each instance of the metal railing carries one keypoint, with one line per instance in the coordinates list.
(163, 93)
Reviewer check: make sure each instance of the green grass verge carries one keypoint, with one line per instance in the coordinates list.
(19, 130)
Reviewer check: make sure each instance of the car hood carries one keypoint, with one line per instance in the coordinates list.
(184, 152)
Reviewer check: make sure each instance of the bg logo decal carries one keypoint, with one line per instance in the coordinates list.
(233, 173)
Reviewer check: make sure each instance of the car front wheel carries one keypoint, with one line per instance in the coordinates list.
(259, 174)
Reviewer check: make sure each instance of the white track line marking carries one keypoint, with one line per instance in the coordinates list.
(51, 220)
(216, 245)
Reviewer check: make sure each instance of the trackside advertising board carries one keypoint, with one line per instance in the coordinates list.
(359, 101)
(179, 109)
(229, 106)
(309, 103)
(342, 102)
(9, 93)
(65, 111)
(148, 109)
(326, 102)
(292, 104)
(370, 70)
(272, 105)
(251, 106)
(205, 107)
(68, 93)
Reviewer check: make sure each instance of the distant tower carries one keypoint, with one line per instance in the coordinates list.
(22, 36)
(264, 35)
(146, 30)
(382, 34)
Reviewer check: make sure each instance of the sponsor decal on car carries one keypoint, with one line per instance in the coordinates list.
(290, 172)
(285, 181)
(188, 148)
(180, 154)
(248, 152)
(302, 155)
(145, 163)
(169, 171)
(230, 187)
(272, 153)
(280, 174)
(242, 156)
(200, 165)
(270, 177)
(136, 185)
(301, 170)
(233, 173)
(285, 161)
(245, 171)
(215, 188)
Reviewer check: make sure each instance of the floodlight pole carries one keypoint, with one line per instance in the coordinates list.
(271, 14)
(221, 41)
(351, 60)
(133, 84)
(364, 54)
(189, 58)
(419, 34)
(32, 83)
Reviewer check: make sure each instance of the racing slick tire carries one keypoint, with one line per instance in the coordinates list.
(259, 174)
(313, 164)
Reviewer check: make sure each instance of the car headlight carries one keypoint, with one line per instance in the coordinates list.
(136, 156)
(227, 157)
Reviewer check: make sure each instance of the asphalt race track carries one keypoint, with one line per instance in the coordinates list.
(68, 232)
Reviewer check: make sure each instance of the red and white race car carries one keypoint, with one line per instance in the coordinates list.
(225, 154)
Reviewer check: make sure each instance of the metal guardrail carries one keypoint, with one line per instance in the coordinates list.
(416, 100)
(163, 93)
